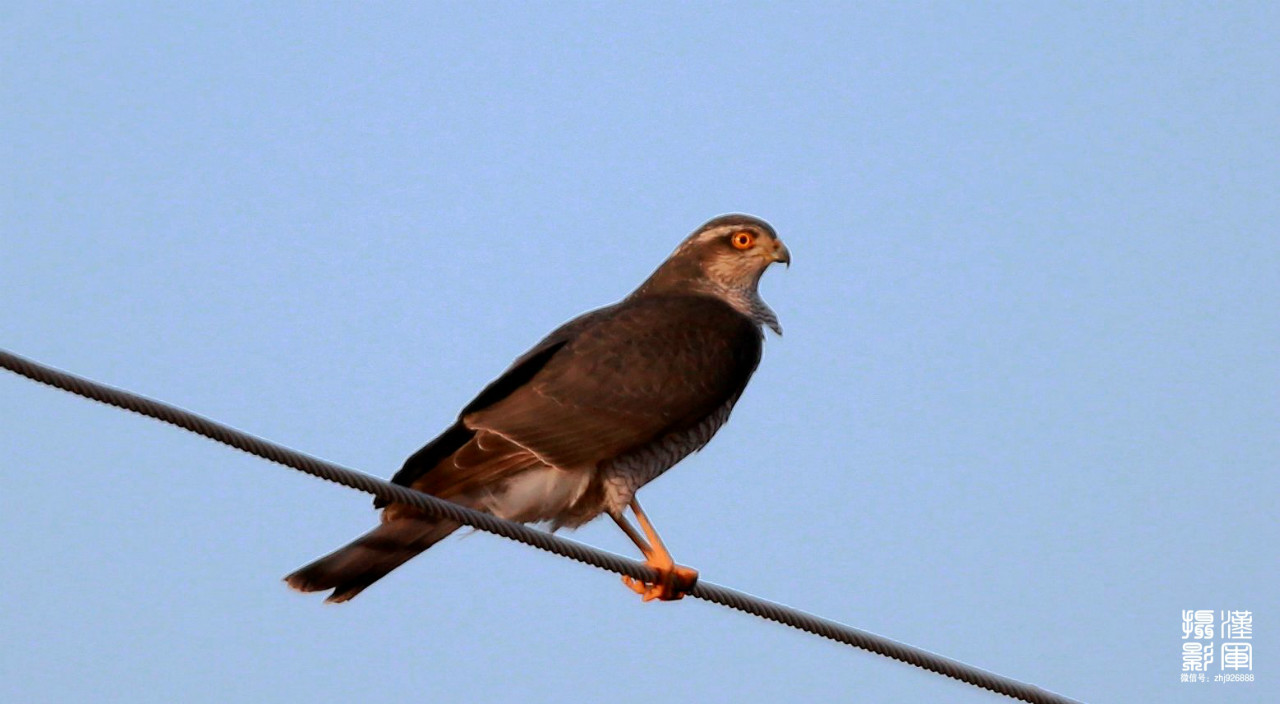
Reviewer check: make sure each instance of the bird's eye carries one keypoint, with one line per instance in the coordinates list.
(743, 240)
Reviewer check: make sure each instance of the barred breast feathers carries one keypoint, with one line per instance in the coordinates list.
(624, 475)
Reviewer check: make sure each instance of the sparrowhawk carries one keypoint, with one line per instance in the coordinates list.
(596, 410)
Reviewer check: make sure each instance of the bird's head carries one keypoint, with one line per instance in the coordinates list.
(730, 252)
(725, 257)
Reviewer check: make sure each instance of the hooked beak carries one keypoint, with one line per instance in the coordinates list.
(781, 254)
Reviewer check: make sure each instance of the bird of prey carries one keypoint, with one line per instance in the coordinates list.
(596, 410)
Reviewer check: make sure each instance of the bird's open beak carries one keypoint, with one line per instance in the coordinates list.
(781, 254)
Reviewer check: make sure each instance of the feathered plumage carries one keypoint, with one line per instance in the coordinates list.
(598, 408)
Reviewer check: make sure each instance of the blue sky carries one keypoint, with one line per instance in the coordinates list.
(1024, 413)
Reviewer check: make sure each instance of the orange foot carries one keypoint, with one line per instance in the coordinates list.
(673, 583)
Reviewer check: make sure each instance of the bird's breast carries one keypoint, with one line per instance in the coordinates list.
(624, 475)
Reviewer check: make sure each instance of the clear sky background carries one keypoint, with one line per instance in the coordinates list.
(1026, 409)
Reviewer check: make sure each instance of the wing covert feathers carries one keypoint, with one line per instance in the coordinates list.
(651, 367)
(609, 384)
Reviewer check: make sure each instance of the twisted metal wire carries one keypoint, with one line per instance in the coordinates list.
(514, 531)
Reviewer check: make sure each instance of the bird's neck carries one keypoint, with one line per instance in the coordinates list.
(744, 299)
(748, 302)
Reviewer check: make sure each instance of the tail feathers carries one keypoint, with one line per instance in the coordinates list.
(349, 569)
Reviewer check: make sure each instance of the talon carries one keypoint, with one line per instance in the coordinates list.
(675, 582)
(635, 585)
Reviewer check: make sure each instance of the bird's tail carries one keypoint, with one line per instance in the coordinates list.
(351, 568)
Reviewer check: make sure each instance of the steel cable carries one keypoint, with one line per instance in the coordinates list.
(539, 539)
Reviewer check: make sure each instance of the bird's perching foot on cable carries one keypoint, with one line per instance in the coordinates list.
(674, 581)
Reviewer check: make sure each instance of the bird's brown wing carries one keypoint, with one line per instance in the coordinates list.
(600, 386)
(652, 366)
(440, 451)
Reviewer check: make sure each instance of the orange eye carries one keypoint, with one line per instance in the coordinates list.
(743, 240)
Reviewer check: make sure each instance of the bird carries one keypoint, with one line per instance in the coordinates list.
(600, 407)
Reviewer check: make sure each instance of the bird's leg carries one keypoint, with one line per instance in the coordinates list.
(674, 580)
(632, 583)
(632, 533)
